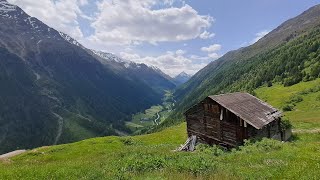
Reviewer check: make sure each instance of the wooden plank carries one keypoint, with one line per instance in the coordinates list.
(201, 135)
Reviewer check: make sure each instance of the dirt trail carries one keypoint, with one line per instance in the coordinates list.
(310, 131)
(11, 154)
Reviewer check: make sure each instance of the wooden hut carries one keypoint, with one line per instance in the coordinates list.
(228, 119)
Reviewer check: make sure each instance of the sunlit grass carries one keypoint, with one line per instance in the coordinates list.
(152, 157)
(306, 114)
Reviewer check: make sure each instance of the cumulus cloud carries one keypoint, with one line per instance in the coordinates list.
(206, 35)
(126, 25)
(212, 48)
(60, 14)
(172, 63)
(129, 21)
(214, 56)
(201, 58)
(180, 52)
(259, 35)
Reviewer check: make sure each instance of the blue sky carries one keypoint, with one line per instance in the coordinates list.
(173, 35)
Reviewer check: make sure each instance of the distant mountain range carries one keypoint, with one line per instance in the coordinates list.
(287, 55)
(54, 90)
(181, 78)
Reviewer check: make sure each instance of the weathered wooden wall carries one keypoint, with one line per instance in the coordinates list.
(204, 121)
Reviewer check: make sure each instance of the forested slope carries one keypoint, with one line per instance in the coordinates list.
(287, 55)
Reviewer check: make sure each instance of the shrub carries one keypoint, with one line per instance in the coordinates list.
(285, 123)
(214, 150)
(296, 99)
(127, 141)
(288, 107)
(265, 145)
(195, 164)
(145, 163)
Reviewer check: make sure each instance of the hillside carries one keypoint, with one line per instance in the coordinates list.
(53, 90)
(288, 55)
(303, 98)
(152, 155)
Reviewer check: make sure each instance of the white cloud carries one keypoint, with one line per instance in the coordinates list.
(214, 56)
(128, 21)
(125, 25)
(259, 35)
(60, 14)
(196, 57)
(180, 52)
(212, 48)
(206, 35)
(171, 63)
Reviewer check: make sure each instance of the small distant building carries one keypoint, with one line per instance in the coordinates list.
(229, 119)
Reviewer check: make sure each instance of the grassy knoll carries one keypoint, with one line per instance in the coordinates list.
(152, 157)
(304, 114)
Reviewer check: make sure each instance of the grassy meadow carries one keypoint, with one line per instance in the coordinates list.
(152, 156)
(304, 114)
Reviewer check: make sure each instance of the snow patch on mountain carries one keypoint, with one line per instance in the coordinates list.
(182, 78)
(68, 38)
(5, 7)
(109, 56)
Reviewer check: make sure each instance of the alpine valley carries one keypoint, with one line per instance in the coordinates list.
(54, 90)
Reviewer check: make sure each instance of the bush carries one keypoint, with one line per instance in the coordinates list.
(144, 163)
(194, 163)
(265, 145)
(290, 81)
(295, 99)
(288, 107)
(285, 124)
(127, 141)
(214, 150)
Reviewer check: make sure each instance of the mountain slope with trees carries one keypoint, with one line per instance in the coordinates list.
(288, 55)
(53, 90)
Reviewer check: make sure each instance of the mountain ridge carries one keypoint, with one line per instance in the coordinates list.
(181, 78)
(54, 90)
(250, 67)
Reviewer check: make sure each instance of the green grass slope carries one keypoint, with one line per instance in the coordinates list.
(304, 114)
(152, 157)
